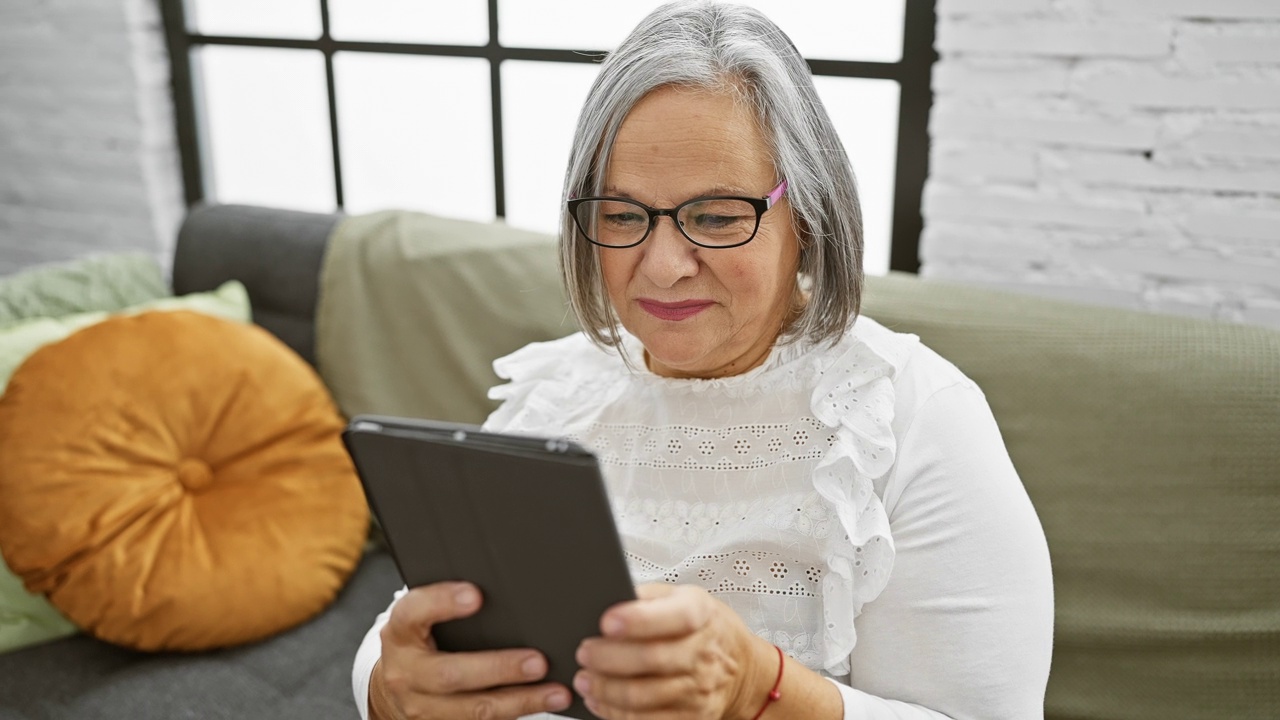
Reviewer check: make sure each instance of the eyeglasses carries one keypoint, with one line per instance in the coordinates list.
(710, 222)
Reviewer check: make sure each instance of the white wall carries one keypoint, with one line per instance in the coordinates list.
(88, 160)
(1123, 152)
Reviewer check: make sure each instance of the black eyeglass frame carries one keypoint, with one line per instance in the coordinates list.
(761, 206)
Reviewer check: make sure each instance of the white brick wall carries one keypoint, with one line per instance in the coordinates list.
(88, 161)
(1124, 152)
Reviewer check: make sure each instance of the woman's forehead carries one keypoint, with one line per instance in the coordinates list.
(698, 140)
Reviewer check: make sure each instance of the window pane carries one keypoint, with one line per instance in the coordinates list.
(458, 22)
(259, 18)
(865, 113)
(415, 133)
(826, 29)
(594, 25)
(540, 104)
(840, 29)
(266, 127)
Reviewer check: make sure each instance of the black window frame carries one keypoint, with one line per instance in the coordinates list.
(913, 73)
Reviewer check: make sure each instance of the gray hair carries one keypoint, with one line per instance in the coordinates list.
(726, 48)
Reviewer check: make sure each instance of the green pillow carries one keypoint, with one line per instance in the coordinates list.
(102, 282)
(403, 291)
(26, 619)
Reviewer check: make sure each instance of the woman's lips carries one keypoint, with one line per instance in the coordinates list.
(674, 311)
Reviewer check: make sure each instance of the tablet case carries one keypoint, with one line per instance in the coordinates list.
(525, 519)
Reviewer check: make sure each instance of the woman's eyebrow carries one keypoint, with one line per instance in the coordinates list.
(724, 190)
(612, 191)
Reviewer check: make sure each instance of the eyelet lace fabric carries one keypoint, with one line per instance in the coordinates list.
(758, 488)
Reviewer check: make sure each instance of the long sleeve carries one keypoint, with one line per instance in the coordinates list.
(859, 705)
(964, 628)
(367, 656)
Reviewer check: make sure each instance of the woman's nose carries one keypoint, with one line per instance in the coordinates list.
(668, 254)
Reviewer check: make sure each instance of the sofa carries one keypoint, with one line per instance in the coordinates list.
(301, 673)
(1149, 444)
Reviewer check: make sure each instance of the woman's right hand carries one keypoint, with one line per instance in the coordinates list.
(415, 681)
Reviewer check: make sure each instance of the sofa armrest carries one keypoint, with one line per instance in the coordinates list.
(277, 254)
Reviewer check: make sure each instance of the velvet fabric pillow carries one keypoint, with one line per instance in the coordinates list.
(174, 481)
(28, 618)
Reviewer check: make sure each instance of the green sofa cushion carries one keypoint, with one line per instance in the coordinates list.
(1150, 446)
(414, 309)
(95, 283)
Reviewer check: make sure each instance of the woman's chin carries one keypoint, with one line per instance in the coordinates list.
(682, 349)
(670, 357)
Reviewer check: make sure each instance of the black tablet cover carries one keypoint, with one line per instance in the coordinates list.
(525, 519)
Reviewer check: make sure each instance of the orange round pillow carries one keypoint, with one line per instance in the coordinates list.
(174, 481)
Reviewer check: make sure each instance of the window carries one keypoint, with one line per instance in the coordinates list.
(466, 108)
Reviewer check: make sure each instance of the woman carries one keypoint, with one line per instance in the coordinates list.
(819, 513)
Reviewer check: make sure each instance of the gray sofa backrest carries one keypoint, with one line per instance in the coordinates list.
(277, 254)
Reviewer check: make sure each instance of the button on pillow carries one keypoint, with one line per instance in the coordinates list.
(176, 481)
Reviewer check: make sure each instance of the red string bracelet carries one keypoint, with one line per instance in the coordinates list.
(774, 694)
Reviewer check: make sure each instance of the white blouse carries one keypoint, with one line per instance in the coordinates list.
(854, 504)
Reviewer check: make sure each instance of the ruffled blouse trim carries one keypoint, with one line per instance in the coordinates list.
(780, 368)
(855, 396)
(577, 367)
(853, 393)
(546, 380)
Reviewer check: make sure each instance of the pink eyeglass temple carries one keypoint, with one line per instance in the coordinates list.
(778, 192)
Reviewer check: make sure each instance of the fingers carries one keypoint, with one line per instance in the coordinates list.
(451, 673)
(511, 702)
(418, 681)
(608, 697)
(493, 683)
(634, 659)
(675, 651)
(663, 611)
(650, 591)
(422, 607)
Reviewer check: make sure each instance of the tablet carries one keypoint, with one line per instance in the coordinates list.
(525, 519)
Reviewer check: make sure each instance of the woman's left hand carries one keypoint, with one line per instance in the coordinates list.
(676, 652)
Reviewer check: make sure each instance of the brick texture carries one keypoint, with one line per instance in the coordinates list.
(1122, 152)
(88, 162)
